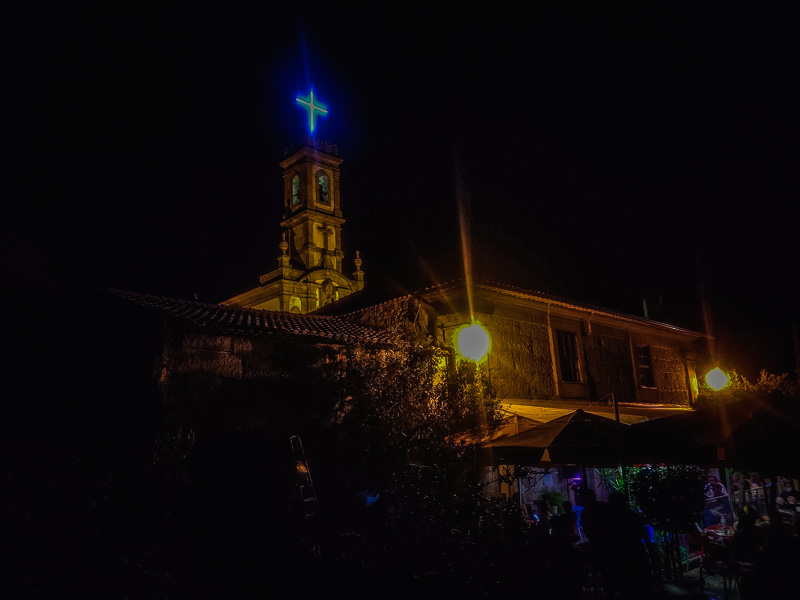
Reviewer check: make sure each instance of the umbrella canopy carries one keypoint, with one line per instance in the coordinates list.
(576, 438)
(758, 434)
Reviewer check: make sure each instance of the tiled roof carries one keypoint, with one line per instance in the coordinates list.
(429, 295)
(215, 318)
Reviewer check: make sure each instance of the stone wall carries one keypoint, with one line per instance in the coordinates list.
(395, 313)
(519, 360)
(609, 367)
(214, 382)
(670, 375)
(233, 357)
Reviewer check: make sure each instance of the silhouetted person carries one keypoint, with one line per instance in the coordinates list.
(630, 565)
(570, 520)
(543, 513)
(789, 495)
(781, 559)
(747, 556)
(595, 522)
(563, 563)
(745, 546)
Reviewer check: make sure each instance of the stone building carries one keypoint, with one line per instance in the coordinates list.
(549, 354)
(257, 362)
(223, 369)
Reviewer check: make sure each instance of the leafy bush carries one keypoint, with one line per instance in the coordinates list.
(410, 417)
(553, 499)
(669, 497)
(740, 388)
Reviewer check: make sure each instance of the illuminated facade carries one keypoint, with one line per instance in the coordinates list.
(555, 353)
(310, 272)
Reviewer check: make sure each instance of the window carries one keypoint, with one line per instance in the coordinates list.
(644, 366)
(295, 190)
(324, 186)
(568, 356)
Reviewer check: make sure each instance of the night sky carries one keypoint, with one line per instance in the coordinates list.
(603, 156)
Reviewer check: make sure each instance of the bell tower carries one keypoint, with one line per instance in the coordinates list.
(310, 271)
(311, 209)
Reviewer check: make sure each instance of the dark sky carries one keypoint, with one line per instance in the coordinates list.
(605, 156)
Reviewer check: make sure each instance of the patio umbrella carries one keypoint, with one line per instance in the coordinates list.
(757, 434)
(576, 438)
(767, 439)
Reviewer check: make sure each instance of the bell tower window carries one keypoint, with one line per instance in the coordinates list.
(323, 188)
(295, 190)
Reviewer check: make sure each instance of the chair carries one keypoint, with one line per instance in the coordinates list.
(717, 560)
(694, 542)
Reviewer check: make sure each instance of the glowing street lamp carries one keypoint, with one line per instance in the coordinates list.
(472, 342)
(717, 379)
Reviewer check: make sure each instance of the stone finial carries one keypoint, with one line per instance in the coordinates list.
(359, 274)
(283, 259)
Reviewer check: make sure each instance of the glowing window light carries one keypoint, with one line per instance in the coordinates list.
(717, 379)
(312, 107)
(472, 342)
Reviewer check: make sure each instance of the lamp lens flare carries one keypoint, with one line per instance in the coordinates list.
(473, 342)
(717, 379)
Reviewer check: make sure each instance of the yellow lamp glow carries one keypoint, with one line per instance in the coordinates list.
(717, 379)
(472, 342)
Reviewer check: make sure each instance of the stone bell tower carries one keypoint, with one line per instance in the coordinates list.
(311, 208)
(310, 270)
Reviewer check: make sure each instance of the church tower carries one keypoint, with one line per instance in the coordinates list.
(310, 271)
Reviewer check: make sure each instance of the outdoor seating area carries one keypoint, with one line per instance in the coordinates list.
(744, 537)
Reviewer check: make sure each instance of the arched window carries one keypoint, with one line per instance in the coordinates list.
(323, 188)
(295, 190)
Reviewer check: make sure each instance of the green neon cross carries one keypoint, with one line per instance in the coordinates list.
(312, 108)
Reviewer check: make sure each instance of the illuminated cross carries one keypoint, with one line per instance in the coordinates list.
(311, 108)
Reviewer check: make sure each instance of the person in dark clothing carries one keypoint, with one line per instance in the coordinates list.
(592, 516)
(745, 546)
(570, 520)
(562, 557)
(630, 564)
(595, 521)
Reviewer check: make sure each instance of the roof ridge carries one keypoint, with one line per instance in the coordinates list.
(580, 305)
(220, 306)
(252, 321)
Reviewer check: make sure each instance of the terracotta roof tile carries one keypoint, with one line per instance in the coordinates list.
(215, 318)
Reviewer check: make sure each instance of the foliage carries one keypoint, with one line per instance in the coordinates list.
(740, 388)
(669, 497)
(611, 479)
(410, 417)
(553, 499)
(412, 404)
